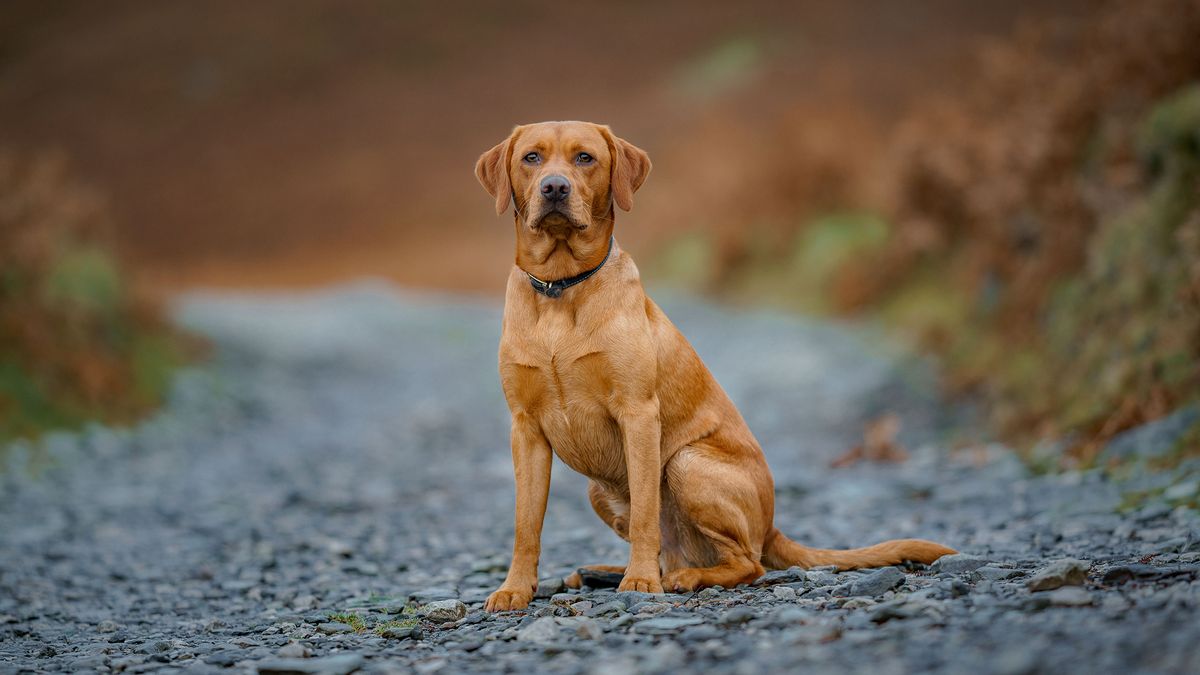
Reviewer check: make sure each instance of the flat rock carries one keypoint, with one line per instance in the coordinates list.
(1125, 573)
(784, 593)
(1069, 596)
(337, 664)
(877, 582)
(294, 650)
(666, 624)
(991, 573)
(737, 615)
(444, 610)
(599, 579)
(957, 563)
(545, 629)
(583, 627)
(791, 574)
(1065, 572)
(548, 587)
(400, 633)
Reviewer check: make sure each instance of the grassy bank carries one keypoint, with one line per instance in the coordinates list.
(78, 340)
(1040, 231)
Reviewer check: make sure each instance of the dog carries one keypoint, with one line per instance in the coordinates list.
(594, 372)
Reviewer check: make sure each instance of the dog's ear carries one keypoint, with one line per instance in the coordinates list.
(630, 166)
(492, 172)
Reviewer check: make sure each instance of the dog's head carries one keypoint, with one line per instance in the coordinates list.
(563, 176)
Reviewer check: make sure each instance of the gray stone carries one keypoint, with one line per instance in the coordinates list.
(1069, 596)
(791, 574)
(335, 627)
(294, 650)
(1135, 571)
(789, 616)
(545, 629)
(1182, 490)
(400, 633)
(583, 627)
(1152, 440)
(611, 607)
(1065, 572)
(549, 587)
(337, 664)
(991, 573)
(631, 598)
(597, 579)
(877, 582)
(737, 615)
(623, 620)
(564, 599)
(224, 658)
(666, 656)
(819, 579)
(784, 593)
(666, 624)
(957, 563)
(444, 610)
(650, 608)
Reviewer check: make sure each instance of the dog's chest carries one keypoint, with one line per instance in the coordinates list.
(555, 372)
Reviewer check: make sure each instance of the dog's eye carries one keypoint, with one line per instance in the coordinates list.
(532, 158)
(584, 158)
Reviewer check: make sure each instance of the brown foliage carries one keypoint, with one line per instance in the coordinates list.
(76, 343)
(1002, 190)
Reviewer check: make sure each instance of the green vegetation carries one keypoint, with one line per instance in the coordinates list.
(78, 341)
(401, 624)
(351, 619)
(1076, 342)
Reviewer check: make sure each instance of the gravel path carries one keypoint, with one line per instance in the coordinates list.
(334, 492)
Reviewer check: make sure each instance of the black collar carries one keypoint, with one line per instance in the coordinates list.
(554, 289)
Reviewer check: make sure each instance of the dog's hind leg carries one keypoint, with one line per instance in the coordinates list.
(613, 509)
(718, 518)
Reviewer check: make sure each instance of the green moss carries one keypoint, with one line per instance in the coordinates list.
(351, 619)
(401, 624)
(84, 351)
(26, 407)
(85, 277)
(1173, 123)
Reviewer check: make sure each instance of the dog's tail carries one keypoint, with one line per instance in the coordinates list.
(781, 553)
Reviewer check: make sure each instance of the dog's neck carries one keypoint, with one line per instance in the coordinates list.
(554, 254)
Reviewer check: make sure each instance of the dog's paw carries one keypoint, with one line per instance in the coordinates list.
(573, 580)
(682, 580)
(640, 584)
(505, 599)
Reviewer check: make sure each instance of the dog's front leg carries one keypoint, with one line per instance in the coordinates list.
(641, 433)
(532, 459)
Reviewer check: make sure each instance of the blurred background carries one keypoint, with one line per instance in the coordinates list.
(1012, 186)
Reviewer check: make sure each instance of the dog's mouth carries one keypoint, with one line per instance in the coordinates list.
(557, 217)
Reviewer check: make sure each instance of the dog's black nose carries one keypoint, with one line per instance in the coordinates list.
(555, 188)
